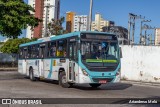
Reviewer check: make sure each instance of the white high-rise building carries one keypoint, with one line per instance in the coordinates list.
(40, 6)
(80, 23)
(29, 32)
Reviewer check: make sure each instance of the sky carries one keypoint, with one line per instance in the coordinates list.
(117, 11)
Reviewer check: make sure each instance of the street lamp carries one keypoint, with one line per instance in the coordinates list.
(142, 28)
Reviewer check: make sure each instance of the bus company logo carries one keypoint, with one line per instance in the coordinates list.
(6, 101)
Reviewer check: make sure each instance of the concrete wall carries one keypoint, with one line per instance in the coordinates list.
(141, 63)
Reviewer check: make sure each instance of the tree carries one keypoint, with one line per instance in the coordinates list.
(15, 15)
(55, 26)
(1, 43)
(12, 45)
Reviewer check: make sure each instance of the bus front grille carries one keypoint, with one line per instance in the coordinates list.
(104, 69)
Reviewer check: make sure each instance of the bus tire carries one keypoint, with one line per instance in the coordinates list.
(95, 85)
(31, 75)
(71, 84)
(62, 80)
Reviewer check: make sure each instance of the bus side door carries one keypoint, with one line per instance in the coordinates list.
(73, 69)
(41, 61)
(24, 61)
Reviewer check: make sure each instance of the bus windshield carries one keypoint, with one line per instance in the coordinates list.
(99, 53)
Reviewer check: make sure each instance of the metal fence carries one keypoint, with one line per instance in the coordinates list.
(8, 60)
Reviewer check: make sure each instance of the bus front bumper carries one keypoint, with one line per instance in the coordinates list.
(88, 79)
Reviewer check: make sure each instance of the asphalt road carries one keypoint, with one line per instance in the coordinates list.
(13, 85)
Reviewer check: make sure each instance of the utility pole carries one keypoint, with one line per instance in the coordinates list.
(146, 27)
(90, 15)
(150, 39)
(46, 20)
(80, 23)
(145, 36)
(132, 18)
(129, 29)
(133, 27)
(153, 28)
(154, 36)
(142, 29)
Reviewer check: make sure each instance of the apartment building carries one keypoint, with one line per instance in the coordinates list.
(43, 8)
(99, 23)
(80, 23)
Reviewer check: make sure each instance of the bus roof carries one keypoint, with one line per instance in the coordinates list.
(45, 39)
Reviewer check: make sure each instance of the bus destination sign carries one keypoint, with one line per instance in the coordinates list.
(99, 36)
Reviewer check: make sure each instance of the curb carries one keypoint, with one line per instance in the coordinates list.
(8, 69)
(141, 83)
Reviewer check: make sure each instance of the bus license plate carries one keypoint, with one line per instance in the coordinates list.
(102, 81)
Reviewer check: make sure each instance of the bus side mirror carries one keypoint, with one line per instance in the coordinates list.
(120, 49)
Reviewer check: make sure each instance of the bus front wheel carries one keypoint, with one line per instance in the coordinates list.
(31, 75)
(63, 80)
(95, 85)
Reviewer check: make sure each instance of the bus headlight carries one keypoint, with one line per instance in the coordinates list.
(84, 72)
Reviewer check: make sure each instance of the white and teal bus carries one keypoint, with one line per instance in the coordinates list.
(74, 58)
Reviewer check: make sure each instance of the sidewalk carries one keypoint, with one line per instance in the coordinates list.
(9, 69)
(141, 83)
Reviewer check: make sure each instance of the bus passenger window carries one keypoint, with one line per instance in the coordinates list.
(42, 52)
(65, 53)
(60, 51)
(62, 47)
(25, 53)
(52, 49)
(21, 53)
(29, 52)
